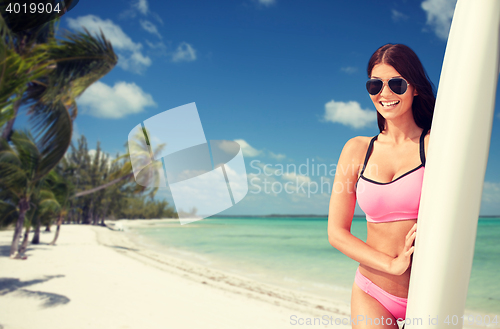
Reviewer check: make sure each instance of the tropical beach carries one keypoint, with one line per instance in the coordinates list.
(90, 235)
(116, 277)
(96, 277)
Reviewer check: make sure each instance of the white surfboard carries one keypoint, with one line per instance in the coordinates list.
(455, 168)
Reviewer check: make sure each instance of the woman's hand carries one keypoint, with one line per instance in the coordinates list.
(400, 264)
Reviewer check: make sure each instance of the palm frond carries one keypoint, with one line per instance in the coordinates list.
(18, 163)
(5, 32)
(54, 129)
(47, 201)
(13, 177)
(31, 23)
(8, 213)
(7, 154)
(16, 71)
(60, 187)
(27, 151)
(81, 60)
(45, 194)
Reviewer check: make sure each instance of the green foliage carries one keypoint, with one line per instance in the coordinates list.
(86, 170)
(140, 207)
(17, 70)
(23, 179)
(22, 165)
(28, 21)
(48, 74)
(43, 203)
(8, 213)
(23, 171)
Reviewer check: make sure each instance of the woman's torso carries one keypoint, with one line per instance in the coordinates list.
(390, 165)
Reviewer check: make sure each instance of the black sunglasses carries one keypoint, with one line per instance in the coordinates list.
(397, 85)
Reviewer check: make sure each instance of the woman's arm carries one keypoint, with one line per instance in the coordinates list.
(341, 211)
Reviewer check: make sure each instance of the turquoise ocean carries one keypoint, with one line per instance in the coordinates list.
(295, 253)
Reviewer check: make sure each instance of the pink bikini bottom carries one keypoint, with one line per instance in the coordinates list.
(395, 305)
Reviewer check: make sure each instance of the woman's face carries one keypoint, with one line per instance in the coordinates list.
(390, 105)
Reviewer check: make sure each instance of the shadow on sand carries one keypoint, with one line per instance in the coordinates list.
(5, 250)
(13, 285)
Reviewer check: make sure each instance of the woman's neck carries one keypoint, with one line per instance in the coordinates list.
(401, 131)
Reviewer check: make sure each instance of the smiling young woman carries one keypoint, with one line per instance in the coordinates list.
(387, 189)
(391, 105)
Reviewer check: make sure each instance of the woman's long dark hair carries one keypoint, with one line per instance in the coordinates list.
(405, 61)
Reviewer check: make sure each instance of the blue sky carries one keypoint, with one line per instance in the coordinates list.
(270, 74)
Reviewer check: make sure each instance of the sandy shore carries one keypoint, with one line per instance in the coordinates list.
(99, 278)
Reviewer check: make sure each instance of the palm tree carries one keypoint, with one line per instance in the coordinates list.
(43, 214)
(47, 74)
(120, 195)
(8, 210)
(16, 71)
(23, 165)
(26, 21)
(62, 190)
(42, 202)
(142, 156)
(55, 71)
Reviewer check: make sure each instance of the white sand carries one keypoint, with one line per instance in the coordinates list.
(98, 278)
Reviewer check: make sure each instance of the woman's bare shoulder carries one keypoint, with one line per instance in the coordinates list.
(358, 141)
(357, 146)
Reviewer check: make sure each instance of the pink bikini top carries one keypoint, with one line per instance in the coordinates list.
(392, 201)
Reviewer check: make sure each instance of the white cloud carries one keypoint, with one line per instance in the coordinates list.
(349, 69)
(398, 16)
(184, 53)
(491, 192)
(296, 178)
(113, 32)
(277, 156)
(267, 3)
(142, 6)
(150, 27)
(158, 45)
(135, 62)
(103, 101)
(350, 114)
(248, 151)
(439, 15)
(158, 48)
(92, 153)
(129, 52)
(157, 17)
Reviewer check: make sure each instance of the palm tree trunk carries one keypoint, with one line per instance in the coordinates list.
(59, 222)
(88, 214)
(24, 245)
(8, 127)
(36, 236)
(24, 206)
(98, 188)
(104, 214)
(93, 214)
